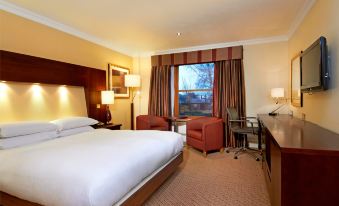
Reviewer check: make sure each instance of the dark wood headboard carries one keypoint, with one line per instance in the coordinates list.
(24, 68)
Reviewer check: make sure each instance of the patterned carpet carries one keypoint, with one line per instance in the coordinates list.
(216, 180)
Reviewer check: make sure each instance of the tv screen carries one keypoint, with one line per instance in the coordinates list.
(314, 75)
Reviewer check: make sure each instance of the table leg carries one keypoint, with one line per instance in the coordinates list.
(176, 128)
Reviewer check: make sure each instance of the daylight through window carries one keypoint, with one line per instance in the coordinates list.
(195, 89)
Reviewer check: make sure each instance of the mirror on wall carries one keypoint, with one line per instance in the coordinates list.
(296, 95)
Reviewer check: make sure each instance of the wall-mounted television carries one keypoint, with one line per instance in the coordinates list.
(314, 71)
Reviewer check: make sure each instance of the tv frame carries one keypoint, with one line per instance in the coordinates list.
(323, 71)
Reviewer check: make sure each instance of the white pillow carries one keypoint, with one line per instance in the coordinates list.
(73, 131)
(73, 122)
(26, 139)
(24, 128)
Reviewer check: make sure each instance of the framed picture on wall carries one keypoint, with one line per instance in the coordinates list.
(116, 81)
(296, 95)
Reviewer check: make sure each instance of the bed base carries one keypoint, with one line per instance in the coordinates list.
(137, 198)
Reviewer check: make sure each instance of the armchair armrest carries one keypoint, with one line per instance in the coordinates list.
(161, 121)
(211, 123)
(244, 121)
(214, 130)
(195, 124)
(143, 124)
(248, 118)
(251, 118)
(241, 121)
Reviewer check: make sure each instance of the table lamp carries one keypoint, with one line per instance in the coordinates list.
(107, 98)
(277, 94)
(132, 81)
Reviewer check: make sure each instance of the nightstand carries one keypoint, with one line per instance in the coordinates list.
(107, 126)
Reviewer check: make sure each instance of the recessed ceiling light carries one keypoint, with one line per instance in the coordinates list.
(179, 33)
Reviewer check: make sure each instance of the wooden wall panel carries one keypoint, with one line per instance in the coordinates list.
(25, 68)
(96, 83)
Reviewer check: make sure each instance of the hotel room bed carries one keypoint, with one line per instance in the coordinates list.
(100, 167)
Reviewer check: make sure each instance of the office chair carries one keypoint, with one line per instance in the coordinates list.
(239, 127)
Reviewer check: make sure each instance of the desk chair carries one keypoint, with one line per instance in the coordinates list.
(239, 127)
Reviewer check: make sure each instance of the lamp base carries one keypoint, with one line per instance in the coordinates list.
(108, 115)
(274, 112)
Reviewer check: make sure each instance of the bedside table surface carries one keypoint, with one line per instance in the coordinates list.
(108, 126)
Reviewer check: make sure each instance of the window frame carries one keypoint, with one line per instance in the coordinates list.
(177, 90)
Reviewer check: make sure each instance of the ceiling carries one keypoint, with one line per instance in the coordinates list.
(136, 27)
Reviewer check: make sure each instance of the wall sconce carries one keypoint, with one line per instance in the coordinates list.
(63, 93)
(3, 90)
(277, 94)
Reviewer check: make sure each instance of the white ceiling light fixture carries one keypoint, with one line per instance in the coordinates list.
(178, 33)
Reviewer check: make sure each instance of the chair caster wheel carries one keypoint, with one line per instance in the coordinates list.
(257, 159)
(235, 157)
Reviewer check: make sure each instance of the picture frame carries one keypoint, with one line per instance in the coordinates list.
(296, 95)
(116, 80)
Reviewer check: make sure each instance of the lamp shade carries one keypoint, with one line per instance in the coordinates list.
(107, 97)
(278, 92)
(132, 80)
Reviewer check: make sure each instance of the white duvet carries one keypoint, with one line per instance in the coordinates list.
(92, 168)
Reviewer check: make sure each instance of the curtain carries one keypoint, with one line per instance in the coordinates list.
(198, 57)
(229, 91)
(160, 91)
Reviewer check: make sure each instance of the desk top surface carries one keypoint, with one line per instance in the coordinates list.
(293, 133)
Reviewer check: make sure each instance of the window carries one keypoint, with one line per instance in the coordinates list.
(194, 90)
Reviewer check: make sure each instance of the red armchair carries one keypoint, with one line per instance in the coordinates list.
(150, 122)
(205, 133)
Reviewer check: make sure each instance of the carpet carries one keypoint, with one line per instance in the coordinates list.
(216, 180)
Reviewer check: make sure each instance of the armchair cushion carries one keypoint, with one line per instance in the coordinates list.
(156, 121)
(150, 122)
(196, 134)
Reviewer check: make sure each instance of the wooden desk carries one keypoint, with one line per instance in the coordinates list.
(301, 162)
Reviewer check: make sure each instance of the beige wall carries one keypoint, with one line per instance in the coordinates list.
(28, 37)
(322, 107)
(142, 66)
(266, 66)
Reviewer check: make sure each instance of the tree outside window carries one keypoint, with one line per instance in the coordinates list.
(195, 89)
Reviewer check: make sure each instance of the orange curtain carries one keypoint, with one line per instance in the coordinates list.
(229, 91)
(160, 91)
